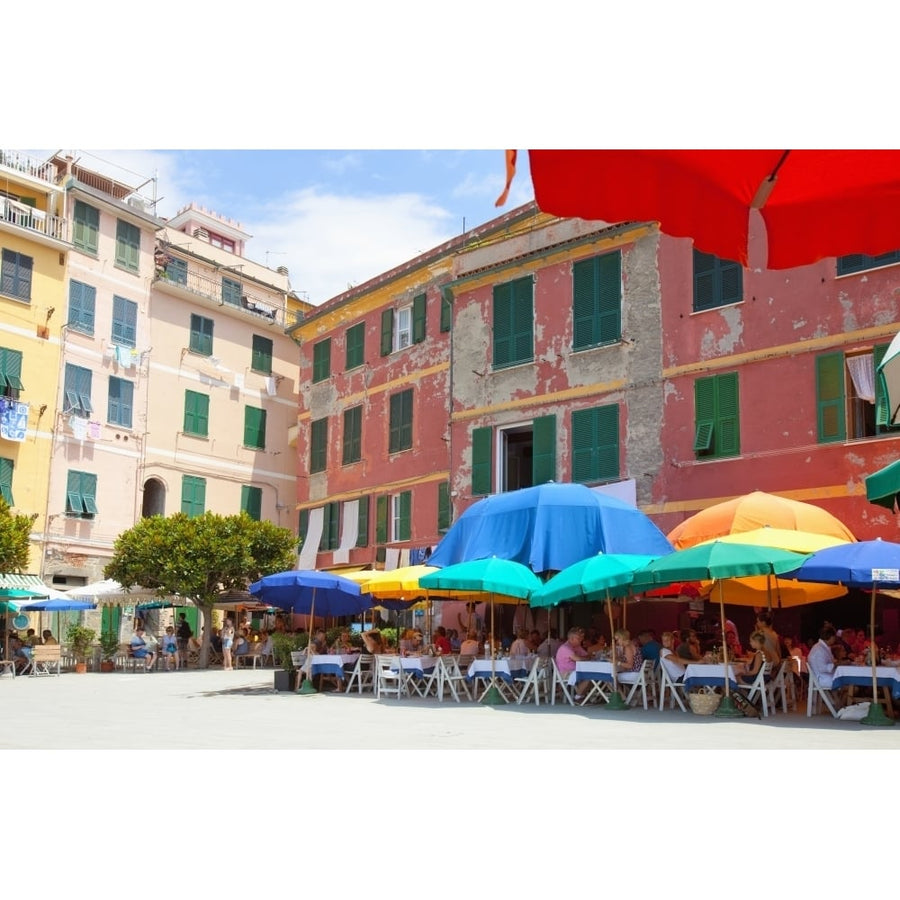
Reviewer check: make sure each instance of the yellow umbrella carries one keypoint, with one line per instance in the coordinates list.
(754, 590)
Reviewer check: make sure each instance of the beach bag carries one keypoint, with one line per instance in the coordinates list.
(744, 705)
(854, 712)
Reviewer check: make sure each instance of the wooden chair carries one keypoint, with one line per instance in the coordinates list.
(45, 658)
(8, 664)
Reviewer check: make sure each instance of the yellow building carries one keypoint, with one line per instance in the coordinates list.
(34, 243)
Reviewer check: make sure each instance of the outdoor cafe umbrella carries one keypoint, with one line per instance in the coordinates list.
(310, 592)
(499, 578)
(718, 560)
(57, 605)
(867, 565)
(814, 203)
(888, 373)
(883, 486)
(548, 527)
(599, 577)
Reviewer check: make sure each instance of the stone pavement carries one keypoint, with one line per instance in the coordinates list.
(239, 710)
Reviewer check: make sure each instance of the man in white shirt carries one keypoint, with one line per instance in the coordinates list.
(820, 659)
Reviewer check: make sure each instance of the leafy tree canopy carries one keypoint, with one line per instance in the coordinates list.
(15, 531)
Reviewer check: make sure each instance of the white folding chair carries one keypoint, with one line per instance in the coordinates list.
(535, 683)
(782, 682)
(452, 678)
(363, 674)
(388, 676)
(638, 682)
(8, 664)
(671, 679)
(412, 681)
(815, 693)
(759, 688)
(560, 683)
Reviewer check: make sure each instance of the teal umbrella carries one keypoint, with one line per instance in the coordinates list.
(714, 561)
(488, 576)
(599, 577)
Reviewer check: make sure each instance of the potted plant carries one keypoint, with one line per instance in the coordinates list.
(109, 647)
(283, 645)
(80, 640)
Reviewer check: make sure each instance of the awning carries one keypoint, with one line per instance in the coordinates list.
(23, 583)
(883, 486)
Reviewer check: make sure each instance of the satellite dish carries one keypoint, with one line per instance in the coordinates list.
(20, 621)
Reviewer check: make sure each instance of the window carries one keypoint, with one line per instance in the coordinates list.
(81, 494)
(403, 331)
(15, 275)
(120, 402)
(85, 227)
(595, 443)
(401, 421)
(10, 373)
(717, 416)
(513, 322)
(6, 475)
(321, 360)
(443, 517)
(77, 390)
(331, 522)
(176, 270)
(851, 402)
(482, 471)
(231, 291)
(196, 414)
(446, 310)
(401, 505)
(402, 327)
(352, 435)
(201, 335)
(82, 302)
(597, 301)
(318, 445)
(261, 355)
(362, 520)
(128, 245)
(254, 427)
(193, 495)
(355, 346)
(223, 243)
(251, 501)
(859, 262)
(124, 323)
(717, 282)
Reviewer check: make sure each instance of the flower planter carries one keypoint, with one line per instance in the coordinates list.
(107, 665)
(80, 668)
(286, 681)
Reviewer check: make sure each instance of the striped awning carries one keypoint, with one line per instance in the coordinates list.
(31, 583)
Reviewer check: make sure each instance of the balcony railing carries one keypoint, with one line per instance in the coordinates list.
(32, 219)
(28, 165)
(195, 282)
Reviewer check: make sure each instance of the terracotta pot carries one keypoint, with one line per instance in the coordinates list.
(107, 665)
(80, 667)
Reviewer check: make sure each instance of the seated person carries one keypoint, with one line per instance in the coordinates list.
(455, 642)
(550, 645)
(569, 653)
(140, 649)
(735, 650)
(169, 649)
(265, 640)
(469, 647)
(31, 638)
(373, 641)
(628, 656)
(821, 661)
(48, 637)
(757, 658)
(520, 646)
(689, 648)
(441, 642)
(21, 653)
(241, 645)
(319, 643)
(342, 644)
(650, 647)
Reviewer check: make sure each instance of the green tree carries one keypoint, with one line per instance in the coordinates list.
(15, 531)
(199, 557)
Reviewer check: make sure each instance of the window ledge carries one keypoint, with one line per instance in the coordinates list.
(709, 309)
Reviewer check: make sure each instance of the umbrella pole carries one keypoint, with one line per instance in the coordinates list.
(492, 696)
(307, 687)
(727, 709)
(876, 715)
(615, 698)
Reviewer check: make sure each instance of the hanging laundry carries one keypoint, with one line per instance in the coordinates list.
(239, 380)
(13, 420)
(94, 431)
(270, 386)
(79, 427)
(124, 357)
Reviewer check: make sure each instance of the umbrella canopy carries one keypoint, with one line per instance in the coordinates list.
(815, 203)
(548, 527)
(592, 579)
(57, 605)
(883, 486)
(888, 373)
(756, 510)
(311, 592)
(109, 591)
(495, 576)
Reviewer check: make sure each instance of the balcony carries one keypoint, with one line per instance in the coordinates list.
(29, 166)
(175, 278)
(33, 220)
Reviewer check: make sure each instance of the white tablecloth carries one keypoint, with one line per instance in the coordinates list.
(331, 663)
(592, 670)
(421, 665)
(708, 675)
(861, 676)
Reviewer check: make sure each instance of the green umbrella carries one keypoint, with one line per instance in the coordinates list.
(488, 576)
(714, 561)
(599, 577)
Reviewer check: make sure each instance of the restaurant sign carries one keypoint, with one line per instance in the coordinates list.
(883, 575)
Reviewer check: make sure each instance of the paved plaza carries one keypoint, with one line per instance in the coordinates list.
(218, 710)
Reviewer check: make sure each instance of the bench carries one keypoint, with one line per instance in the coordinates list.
(45, 658)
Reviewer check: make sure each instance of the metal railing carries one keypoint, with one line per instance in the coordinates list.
(32, 219)
(28, 165)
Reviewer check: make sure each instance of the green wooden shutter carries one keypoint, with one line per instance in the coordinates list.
(831, 417)
(418, 319)
(255, 427)
(322, 360)
(318, 445)
(582, 445)
(523, 319)
(595, 443)
(502, 325)
(728, 428)
(231, 291)
(355, 346)
(443, 517)
(82, 303)
(196, 413)
(607, 419)
(446, 310)
(6, 476)
(193, 495)
(883, 412)
(251, 501)
(597, 301)
(124, 322)
(404, 522)
(609, 297)
(302, 525)
(704, 414)
(86, 227)
(583, 332)
(362, 519)
(381, 519)
(543, 461)
(11, 370)
(331, 519)
(482, 472)
(387, 331)
(261, 355)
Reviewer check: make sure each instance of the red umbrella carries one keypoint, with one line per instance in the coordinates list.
(815, 203)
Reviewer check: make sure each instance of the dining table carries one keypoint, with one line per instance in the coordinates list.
(887, 678)
(331, 663)
(597, 671)
(501, 672)
(704, 674)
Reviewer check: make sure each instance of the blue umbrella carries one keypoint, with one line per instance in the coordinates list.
(867, 565)
(309, 591)
(548, 528)
(56, 605)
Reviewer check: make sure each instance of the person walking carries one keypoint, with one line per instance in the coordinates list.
(183, 635)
